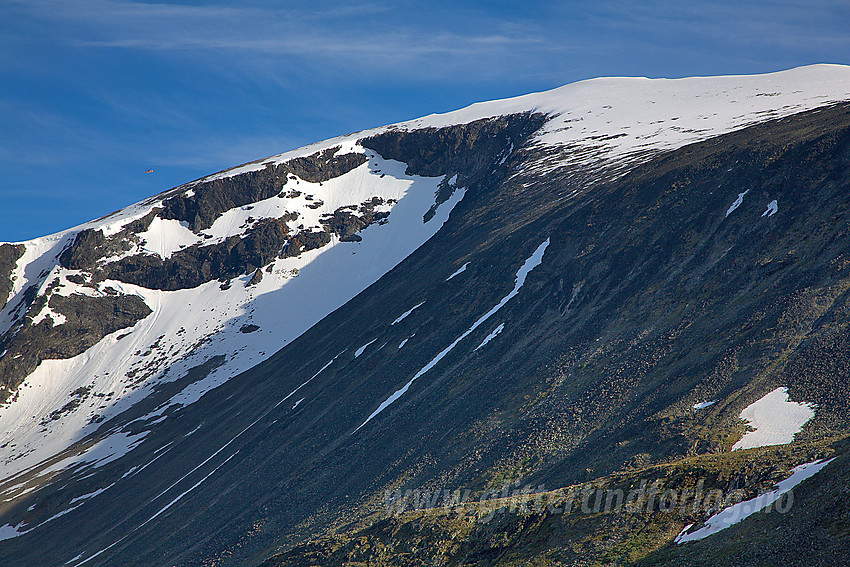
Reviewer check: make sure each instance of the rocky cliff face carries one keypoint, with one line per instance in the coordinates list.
(209, 199)
(9, 255)
(302, 360)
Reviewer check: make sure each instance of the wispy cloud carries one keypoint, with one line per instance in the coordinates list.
(712, 24)
(368, 36)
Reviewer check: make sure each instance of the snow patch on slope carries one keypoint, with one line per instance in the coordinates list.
(737, 512)
(406, 313)
(164, 237)
(458, 271)
(360, 350)
(775, 419)
(736, 203)
(772, 208)
(491, 336)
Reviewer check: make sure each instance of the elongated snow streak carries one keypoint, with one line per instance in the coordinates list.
(734, 514)
(532, 262)
(80, 499)
(208, 459)
(90, 557)
(185, 492)
(491, 336)
(264, 414)
(166, 507)
(136, 470)
(737, 203)
(406, 313)
(310, 379)
(360, 350)
(458, 271)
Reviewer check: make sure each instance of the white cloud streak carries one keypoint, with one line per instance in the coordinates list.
(367, 35)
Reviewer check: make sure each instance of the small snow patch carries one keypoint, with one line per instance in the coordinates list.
(359, 351)
(406, 313)
(703, 405)
(772, 207)
(775, 420)
(9, 531)
(458, 271)
(737, 203)
(491, 336)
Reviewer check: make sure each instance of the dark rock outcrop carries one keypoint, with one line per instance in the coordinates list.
(256, 278)
(87, 320)
(470, 150)
(265, 240)
(473, 151)
(199, 264)
(87, 248)
(344, 223)
(90, 245)
(324, 165)
(9, 255)
(211, 198)
(304, 241)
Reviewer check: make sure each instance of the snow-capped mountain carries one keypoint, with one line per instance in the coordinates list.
(478, 296)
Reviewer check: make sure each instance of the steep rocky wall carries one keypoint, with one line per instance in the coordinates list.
(470, 150)
(211, 198)
(90, 245)
(199, 264)
(9, 255)
(475, 152)
(88, 319)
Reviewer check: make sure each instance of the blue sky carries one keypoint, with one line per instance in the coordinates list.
(95, 92)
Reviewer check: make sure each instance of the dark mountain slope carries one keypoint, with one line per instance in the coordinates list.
(646, 269)
(649, 270)
(649, 298)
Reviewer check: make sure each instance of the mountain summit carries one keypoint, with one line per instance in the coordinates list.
(346, 353)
